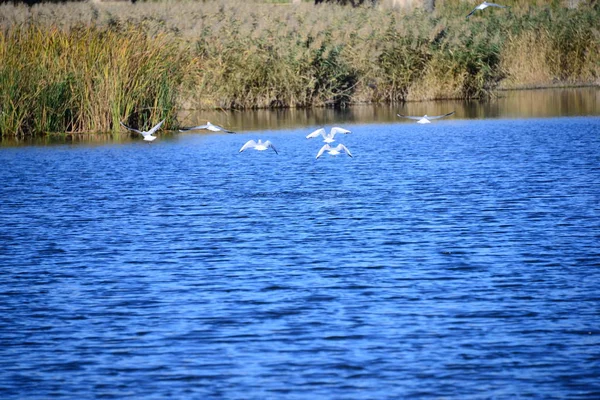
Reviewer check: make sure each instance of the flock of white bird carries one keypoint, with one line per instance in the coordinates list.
(259, 145)
(328, 138)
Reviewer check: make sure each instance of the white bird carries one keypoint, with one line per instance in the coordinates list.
(483, 6)
(209, 126)
(260, 146)
(328, 137)
(425, 119)
(334, 151)
(146, 134)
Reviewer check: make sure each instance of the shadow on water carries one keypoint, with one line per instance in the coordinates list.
(538, 103)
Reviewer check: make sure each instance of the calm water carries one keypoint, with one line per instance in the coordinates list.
(459, 259)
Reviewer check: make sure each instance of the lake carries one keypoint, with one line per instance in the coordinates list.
(459, 259)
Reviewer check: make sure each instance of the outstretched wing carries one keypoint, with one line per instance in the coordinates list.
(337, 129)
(220, 128)
(131, 129)
(156, 127)
(409, 117)
(441, 116)
(269, 144)
(323, 150)
(471, 13)
(249, 144)
(494, 5)
(194, 128)
(341, 147)
(316, 133)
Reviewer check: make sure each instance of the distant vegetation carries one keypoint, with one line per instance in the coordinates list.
(82, 67)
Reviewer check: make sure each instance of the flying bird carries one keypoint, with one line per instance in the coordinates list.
(148, 135)
(260, 146)
(425, 119)
(485, 5)
(328, 137)
(209, 126)
(334, 151)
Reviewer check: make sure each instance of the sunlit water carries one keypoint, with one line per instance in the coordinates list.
(459, 259)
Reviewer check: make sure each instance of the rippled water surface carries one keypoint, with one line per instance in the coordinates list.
(459, 259)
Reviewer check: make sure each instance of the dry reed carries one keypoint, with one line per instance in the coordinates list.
(83, 66)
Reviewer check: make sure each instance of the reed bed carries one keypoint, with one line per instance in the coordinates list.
(86, 79)
(82, 67)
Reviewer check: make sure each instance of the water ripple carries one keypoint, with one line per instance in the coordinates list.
(464, 266)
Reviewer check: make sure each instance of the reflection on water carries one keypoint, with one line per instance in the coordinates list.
(539, 103)
(89, 138)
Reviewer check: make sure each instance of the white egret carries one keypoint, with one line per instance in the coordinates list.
(209, 126)
(148, 135)
(483, 6)
(260, 145)
(425, 119)
(334, 151)
(328, 137)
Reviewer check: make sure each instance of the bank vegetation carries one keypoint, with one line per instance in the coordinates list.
(82, 67)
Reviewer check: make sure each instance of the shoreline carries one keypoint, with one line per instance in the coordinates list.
(491, 98)
(518, 104)
(551, 86)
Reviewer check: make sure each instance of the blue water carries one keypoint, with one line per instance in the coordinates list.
(459, 259)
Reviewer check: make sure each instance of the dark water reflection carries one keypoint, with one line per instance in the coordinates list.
(540, 103)
(459, 259)
(508, 104)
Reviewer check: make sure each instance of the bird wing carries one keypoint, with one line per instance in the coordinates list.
(341, 147)
(323, 150)
(337, 129)
(156, 127)
(269, 144)
(493, 5)
(316, 133)
(221, 128)
(249, 143)
(409, 117)
(131, 129)
(193, 128)
(471, 13)
(441, 116)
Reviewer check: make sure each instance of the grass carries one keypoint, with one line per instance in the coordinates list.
(82, 67)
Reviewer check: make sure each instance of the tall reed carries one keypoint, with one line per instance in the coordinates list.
(82, 67)
(87, 79)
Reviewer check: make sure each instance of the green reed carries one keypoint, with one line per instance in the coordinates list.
(86, 79)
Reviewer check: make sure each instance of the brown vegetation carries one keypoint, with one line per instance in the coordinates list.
(82, 67)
